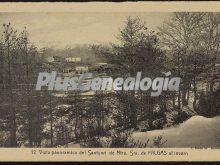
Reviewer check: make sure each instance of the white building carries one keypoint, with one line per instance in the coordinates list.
(73, 59)
(82, 68)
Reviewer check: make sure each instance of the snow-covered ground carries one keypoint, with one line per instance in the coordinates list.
(197, 132)
(71, 145)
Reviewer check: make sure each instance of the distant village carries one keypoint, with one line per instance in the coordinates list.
(74, 66)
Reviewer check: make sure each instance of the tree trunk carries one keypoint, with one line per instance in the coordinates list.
(13, 127)
(29, 110)
(51, 122)
(195, 94)
(187, 99)
(179, 103)
(184, 99)
(174, 101)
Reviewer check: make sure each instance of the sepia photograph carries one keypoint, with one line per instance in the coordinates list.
(110, 80)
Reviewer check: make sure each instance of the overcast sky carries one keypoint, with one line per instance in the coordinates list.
(68, 29)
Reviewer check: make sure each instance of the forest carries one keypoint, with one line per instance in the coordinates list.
(187, 45)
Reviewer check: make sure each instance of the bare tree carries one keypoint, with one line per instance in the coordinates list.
(9, 41)
(187, 36)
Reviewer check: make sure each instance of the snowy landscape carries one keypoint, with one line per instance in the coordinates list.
(183, 44)
(203, 132)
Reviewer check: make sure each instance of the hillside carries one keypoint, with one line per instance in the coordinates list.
(196, 132)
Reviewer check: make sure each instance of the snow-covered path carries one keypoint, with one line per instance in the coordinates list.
(197, 131)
